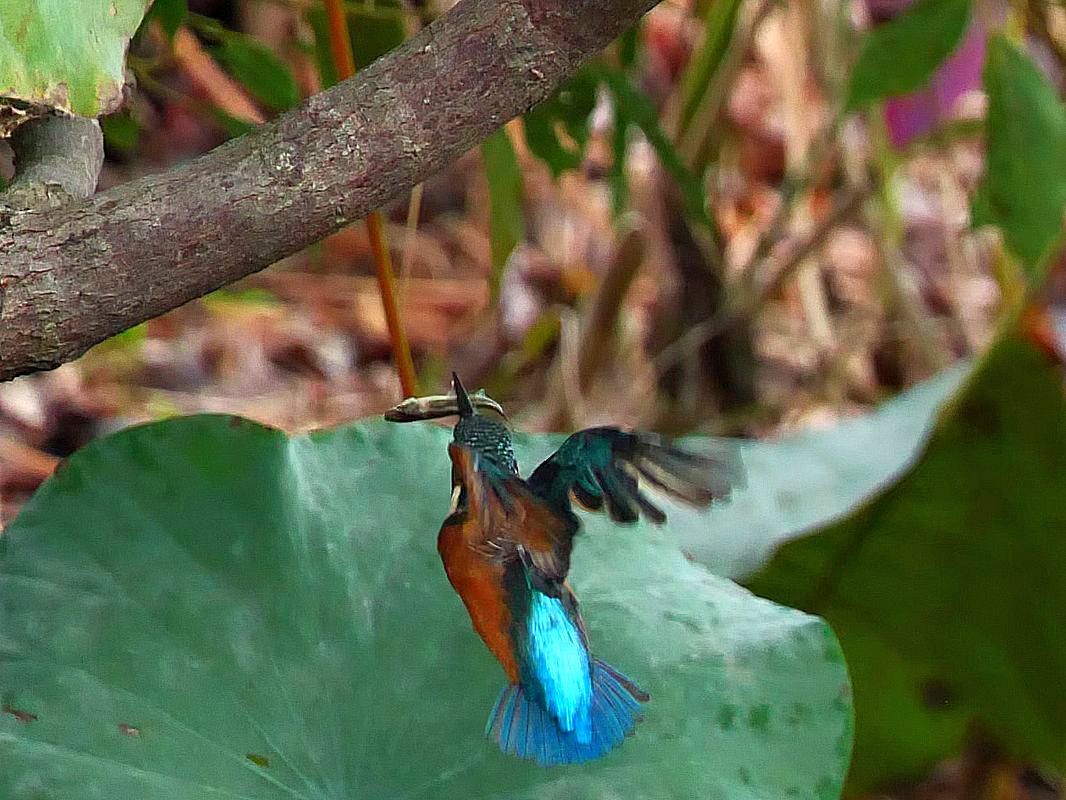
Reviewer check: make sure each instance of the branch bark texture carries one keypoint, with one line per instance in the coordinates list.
(70, 278)
(64, 152)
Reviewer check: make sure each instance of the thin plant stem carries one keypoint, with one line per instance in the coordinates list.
(340, 46)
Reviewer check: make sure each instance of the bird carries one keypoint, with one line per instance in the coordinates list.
(506, 545)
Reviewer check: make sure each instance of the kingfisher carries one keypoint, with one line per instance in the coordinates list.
(506, 546)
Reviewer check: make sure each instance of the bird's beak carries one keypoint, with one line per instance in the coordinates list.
(462, 400)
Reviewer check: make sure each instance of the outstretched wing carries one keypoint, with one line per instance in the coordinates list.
(600, 467)
(504, 521)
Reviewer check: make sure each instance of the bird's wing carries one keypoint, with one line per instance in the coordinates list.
(512, 523)
(608, 467)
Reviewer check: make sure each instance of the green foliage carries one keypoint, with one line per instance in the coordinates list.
(171, 15)
(260, 71)
(373, 29)
(946, 589)
(632, 107)
(900, 55)
(569, 110)
(121, 132)
(207, 608)
(52, 56)
(232, 126)
(566, 112)
(719, 24)
(1025, 186)
(221, 299)
(507, 225)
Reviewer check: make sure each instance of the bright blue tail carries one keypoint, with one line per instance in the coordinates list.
(521, 725)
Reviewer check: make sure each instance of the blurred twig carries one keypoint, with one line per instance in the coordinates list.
(209, 77)
(584, 346)
(898, 286)
(1038, 16)
(752, 299)
(340, 45)
(700, 138)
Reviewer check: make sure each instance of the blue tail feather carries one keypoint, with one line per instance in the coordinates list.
(521, 726)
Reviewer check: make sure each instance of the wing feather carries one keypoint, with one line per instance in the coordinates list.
(608, 468)
(512, 523)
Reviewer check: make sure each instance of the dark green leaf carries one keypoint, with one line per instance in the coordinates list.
(170, 14)
(628, 46)
(507, 226)
(899, 56)
(259, 71)
(800, 483)
(232, 126)
(632, 106)
(617, 176)
(947, 589)
(1025, 188)
(205, 608)
(373, 30)
(569, 110)
(327, 71)
(120, 131)
(720, 22)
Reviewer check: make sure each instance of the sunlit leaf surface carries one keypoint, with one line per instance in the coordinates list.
(205, 608)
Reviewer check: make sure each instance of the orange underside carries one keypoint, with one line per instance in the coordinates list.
(479, 583)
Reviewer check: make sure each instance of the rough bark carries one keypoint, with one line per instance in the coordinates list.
(71, 277)
(55, 151)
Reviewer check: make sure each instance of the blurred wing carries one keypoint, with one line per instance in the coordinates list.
(510, 521)
(600, 467)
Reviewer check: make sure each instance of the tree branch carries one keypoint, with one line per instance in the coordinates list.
(73, 277)
(54, 152)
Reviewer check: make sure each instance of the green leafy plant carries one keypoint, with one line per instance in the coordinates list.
(374, 29)
(1025, 187)
(78, 68)
(558, 131)
(170, 14)
(260, 71)
(507, 224)
(900, 55)
(945, 587)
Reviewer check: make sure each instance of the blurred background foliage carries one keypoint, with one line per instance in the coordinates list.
(754, 218)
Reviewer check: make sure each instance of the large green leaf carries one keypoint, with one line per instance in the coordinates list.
(947, 589)
(1025, 188)
(204, 608)
(64, 55)
(900, 55)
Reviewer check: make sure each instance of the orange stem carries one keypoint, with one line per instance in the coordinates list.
(340, 45)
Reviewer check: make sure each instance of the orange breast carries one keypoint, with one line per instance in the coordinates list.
(479, 582)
